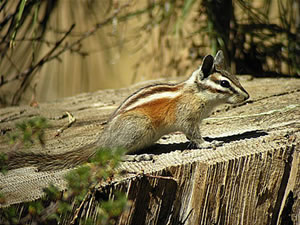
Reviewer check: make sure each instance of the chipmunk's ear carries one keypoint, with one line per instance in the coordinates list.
(207, 65)
(219, 61)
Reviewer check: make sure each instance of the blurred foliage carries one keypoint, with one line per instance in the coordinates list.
(25, 134)
(3, 166)
(29, 130)
(66, 207)
(169, 37)
(57, 207)
(258, 37)
(23, 24)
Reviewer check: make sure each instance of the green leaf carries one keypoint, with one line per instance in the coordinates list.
(19, 16)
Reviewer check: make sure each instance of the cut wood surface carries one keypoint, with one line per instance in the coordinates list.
(253, 178)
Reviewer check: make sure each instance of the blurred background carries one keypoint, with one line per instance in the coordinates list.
(55, 48)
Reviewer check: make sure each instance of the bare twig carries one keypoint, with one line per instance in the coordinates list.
(89, 33)
(54, 54)
(26, 74)
(72, 120)
(77, 211)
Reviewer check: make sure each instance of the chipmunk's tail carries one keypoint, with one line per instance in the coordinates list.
(46, 162)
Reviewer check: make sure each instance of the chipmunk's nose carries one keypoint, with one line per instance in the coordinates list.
(247, 96)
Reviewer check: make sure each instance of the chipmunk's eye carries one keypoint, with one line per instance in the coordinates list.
(225, 84)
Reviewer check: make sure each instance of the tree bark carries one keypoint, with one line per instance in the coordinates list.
(253, 178)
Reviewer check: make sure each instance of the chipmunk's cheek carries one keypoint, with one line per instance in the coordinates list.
(229, 101)
(235, 100)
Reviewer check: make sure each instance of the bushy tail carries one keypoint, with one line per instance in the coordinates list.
(46, 162)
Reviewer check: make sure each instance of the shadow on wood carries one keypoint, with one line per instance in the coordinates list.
(252, 178)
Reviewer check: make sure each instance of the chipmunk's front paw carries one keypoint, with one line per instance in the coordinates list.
(214, 144)
(138, 158)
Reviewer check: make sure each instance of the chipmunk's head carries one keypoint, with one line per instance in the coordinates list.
(218, 83)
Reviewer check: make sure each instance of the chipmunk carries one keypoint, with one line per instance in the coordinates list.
(153, 111)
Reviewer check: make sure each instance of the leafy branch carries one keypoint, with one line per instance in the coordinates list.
(82, 183)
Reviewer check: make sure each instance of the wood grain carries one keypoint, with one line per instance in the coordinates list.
(253, 178)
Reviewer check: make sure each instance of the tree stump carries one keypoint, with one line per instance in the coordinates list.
(253, 178)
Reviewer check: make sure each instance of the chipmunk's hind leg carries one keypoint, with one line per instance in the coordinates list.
(130, 131)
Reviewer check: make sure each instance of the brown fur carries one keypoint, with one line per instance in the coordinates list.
(161, 111)
(214, 78)
(144, 94)
(44, 162)
(141, 126)
(213, 90)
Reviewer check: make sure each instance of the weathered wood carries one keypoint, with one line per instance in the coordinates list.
(253, 178)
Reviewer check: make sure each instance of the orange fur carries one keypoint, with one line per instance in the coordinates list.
(145, 92)
(161, 111)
